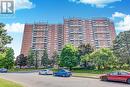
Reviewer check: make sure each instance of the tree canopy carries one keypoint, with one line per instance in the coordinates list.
(101, 58)
(4, 38)
(69, 56)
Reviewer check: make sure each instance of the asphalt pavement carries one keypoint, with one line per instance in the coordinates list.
(35, 80)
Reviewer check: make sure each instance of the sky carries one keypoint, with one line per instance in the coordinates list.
(53, 11)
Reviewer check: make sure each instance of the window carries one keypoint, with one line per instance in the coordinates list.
(123, 73)
(96, 43)
(107, 36)
(34, 39)
(114, 73)
(95, 36)
(108, 43)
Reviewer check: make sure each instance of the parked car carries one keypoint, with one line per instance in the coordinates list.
(63, 73)
(46, 72)
(122, 76)
(3, 70)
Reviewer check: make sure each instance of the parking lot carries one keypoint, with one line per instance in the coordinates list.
(35, 80)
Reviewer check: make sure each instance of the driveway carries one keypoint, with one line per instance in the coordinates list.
(35, 80)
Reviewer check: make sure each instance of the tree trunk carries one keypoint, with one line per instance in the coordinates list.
(70, 68)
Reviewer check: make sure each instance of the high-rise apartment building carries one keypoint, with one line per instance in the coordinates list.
(99, 32)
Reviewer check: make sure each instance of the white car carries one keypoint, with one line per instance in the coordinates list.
(45, 72)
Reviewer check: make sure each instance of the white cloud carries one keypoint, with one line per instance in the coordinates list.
(124, 23)
(97, 3)
(23, 4)
(118, 14)
(15, 27)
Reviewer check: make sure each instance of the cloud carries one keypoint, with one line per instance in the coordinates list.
(118, 14)
(23, 4)
(15, 27)
(124, 23)
(97, 3)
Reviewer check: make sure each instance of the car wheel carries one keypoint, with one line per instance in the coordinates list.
(104, 78)
(128, 81)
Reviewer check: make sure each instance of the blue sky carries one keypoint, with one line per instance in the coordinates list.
(53, 11)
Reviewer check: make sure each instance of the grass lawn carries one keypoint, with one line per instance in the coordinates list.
(91, 73)
(22, 70)
(6, 83)
(86, 75)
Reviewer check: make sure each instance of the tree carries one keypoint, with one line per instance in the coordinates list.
(44, 59)
(54, 59)
(4, 38)
(102, 58)
(84, 49)
(21, 60)
(2, 56)
(69, 56)
(121, 47)
(31, 58)
(6, 54)
(9, 58)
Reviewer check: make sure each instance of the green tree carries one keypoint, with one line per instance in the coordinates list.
(21, 60)
(2, 56)
(9, 58)
(69, 56)
(31, 58)
(102, 58)
(45, 59)
(4, 38)
(121, 47)
(54, 59)
(84, 49)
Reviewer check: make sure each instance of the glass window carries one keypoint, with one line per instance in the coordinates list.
(114, 73)
(96, 43)
(123, 73)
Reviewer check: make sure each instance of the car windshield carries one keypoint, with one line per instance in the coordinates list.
(44, 70)
(64, 70)
(124, 73)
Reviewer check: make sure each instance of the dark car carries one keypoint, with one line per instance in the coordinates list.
(63, 73)
(121, 76)
(3, 70)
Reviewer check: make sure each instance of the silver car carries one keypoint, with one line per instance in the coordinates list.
(46, 72)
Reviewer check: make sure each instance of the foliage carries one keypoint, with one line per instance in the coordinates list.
(4, 38)
(7, 58)
(102, 58)
(84, 49)
(69, 56)
(45, 59)
(54, 59)
(21, 60)
(31, 58)
(121, 47)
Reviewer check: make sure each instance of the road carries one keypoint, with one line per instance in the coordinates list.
(35, 80)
